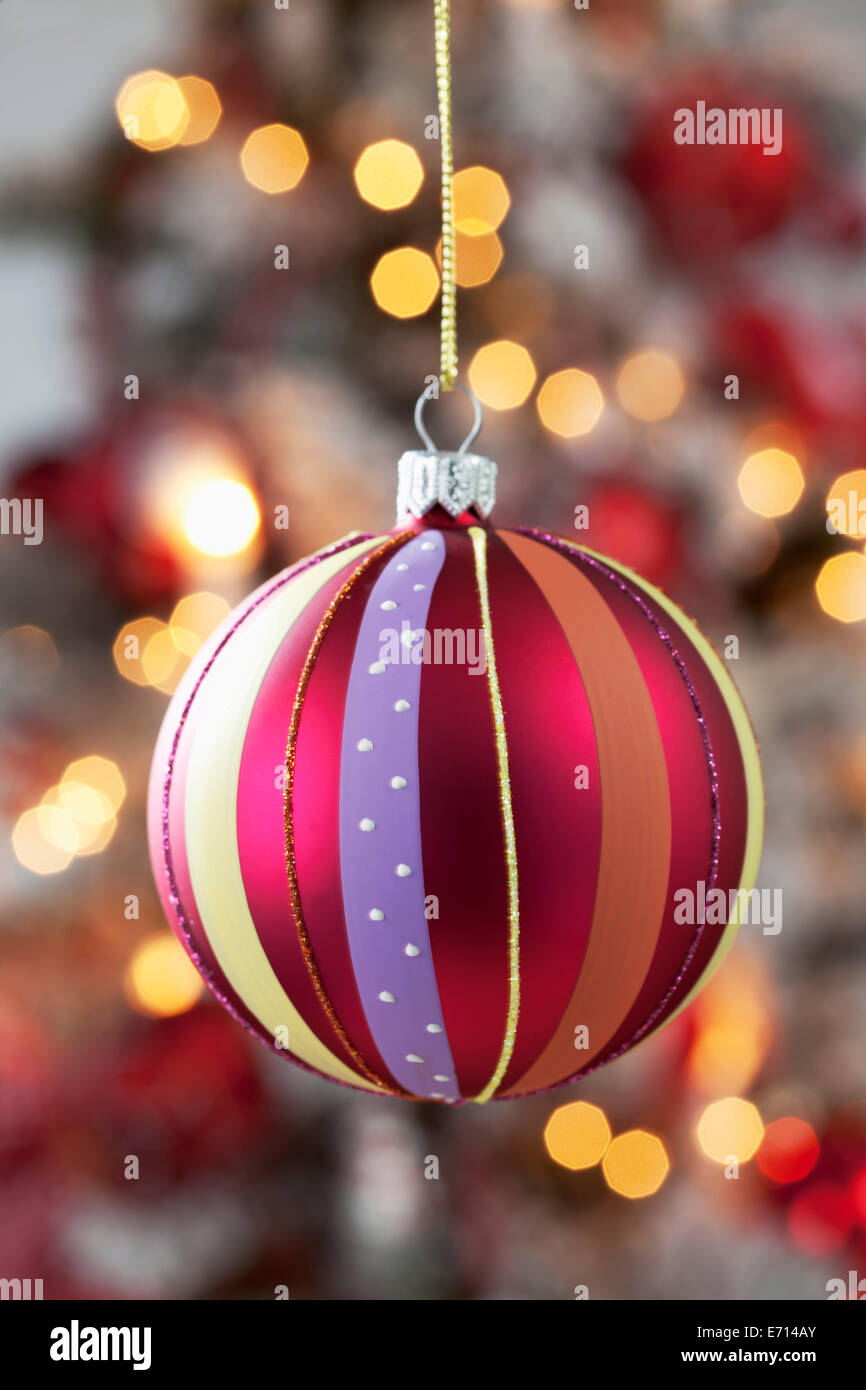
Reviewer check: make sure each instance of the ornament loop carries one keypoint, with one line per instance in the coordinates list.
(422, 429)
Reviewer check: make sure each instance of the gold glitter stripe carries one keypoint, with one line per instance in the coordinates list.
(479, 546)
(291, 867)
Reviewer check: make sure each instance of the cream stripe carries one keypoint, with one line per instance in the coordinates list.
(479, 545)
(224, 706)
(751, 764)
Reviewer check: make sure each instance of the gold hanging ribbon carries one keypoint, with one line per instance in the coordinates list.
(448, 331)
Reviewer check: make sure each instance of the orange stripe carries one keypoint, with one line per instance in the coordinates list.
(636, 816)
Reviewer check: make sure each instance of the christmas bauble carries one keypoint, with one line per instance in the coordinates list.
(440, 813)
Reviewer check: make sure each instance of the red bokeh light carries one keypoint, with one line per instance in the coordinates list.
(789, 1150)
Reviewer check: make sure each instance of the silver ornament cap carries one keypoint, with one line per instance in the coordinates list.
(457, 481)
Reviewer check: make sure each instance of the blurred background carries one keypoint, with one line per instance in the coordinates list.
(218, 280)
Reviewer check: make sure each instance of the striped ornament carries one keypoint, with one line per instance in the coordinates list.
(446, 869)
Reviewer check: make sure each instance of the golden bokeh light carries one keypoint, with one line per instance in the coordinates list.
(405, 282)
(841, 587)
(58, 827)
(502, 374)
(75, 817)
(222, 517)
(204, 107)
(388, 174)
(480, 200)
(846, 504)
(103, 775)
(636, 1164)
(87, 821)
(730, 1128)
(570, 402)
(152, 110)
(476, 258)
(130, 645)
(194, 618)
(733, 1030)
(650, 385)
(33, 849)
(160, 980)
(163, 662)
(274, 158)
(577, 1135)
(771, 482)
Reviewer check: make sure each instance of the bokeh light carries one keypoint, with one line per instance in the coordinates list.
(789, 1150)
(388, 174)
(274, 158)
(58, 827)
(733, 1030)
(160, 979)
(204, 108)
(502, 374)
(130, 645)
(152, 110)
(181, 461)
(650, 385)
(771, 482)
(100, 773)
(570, 402)
(841, 587)
(480, 200)
(222, 517)
(77, 817)
(730, 1128)
(636, 1164)
(194, 618)
(577, 1135)
(476, 258)
(163, 662)
(846, 504)
(405, 282)
(34, 849)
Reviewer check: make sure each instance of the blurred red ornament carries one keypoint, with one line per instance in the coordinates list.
(184, 1097)
(812, 368)
(87, 505)
(706, 199)
(640, 530)
(120, 498)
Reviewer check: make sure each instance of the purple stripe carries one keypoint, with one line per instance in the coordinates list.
(382, 710)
